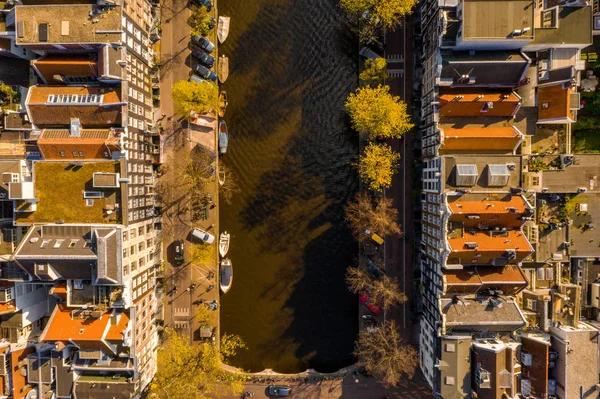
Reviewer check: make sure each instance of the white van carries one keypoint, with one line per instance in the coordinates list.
(203, 236)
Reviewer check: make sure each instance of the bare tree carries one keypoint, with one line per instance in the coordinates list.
(384, 291)
(384, 354)
(380, 217)
(230, 186)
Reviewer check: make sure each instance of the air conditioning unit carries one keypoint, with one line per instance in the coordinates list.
(526, 358)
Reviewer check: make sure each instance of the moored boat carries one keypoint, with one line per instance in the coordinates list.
(225, 275)
(224, 240)
(221, 175)
(223, 28)
(223, 68)
(223, 138)
(222, 103)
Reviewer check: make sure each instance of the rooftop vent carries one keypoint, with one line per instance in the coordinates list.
(64, 28)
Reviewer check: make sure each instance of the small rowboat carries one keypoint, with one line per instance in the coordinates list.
(221, 177)
(223, 138)
(224, 240)
(225, 275)
(223, 68)
(223, 28)
(222, 103)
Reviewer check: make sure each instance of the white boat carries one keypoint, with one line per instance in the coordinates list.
(223, 68)
(224, 239)
(221, 175)
(225, 275)
(223, 138)
(223, 29)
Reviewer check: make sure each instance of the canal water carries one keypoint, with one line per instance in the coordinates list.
(292, 64)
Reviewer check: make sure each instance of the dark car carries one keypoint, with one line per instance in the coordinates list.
(205, 72)
(205, 59)
(203, 43)
(373, 268)
(206, 3)
(279, 390)
(178, 252)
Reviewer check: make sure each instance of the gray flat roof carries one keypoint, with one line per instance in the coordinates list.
(472, 314)
(497, 19)
(481, 162)
(485, 68)
(583, 173)
(574, 27)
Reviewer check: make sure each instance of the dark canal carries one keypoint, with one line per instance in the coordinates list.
(292, 63)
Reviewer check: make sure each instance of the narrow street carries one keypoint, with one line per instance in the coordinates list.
(180, 307)
(399, 250)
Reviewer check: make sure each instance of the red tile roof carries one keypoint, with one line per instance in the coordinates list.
(58, 115)
(510, 279)
(490, 246)
(486, 139)
(19, 381)
(467, 104)
(496, 213)
(554, 103)
(85, 331)
(94, 143)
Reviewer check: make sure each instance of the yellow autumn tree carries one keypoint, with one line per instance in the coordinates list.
(194, 371)
(377, 165)
(383, 13)
(374, 112)
(375, 71)
(198, 97)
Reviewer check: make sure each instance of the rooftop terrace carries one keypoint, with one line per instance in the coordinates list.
(59, 186)
(67, 23)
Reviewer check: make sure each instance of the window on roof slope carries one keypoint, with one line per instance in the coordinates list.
(74, 99)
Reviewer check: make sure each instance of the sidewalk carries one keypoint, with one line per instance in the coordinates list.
(181, 302)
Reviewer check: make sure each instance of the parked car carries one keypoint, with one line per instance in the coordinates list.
(279, 390)
(197, 79)
(206, 3)
(373, 268)
(205, 73)
(366, 52)
(365, 300)
(203, 236)
(205, 59)
(203, 43)
(178, 252)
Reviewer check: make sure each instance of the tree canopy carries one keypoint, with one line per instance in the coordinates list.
(377, 165)
(380, 13)
(384, 354)
(198, 97)
(200, 21)
(380, 217)
(194, 371)
(374, 112)
(384, 291)
(375, 71)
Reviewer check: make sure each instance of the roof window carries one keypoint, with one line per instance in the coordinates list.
(466, 175)
(498, 175)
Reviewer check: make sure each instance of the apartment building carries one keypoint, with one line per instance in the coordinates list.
(499, 78)
(80, 244)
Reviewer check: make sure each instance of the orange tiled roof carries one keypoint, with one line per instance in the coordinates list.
(489, 246)
(94, 143)
(63, 327)
(554, 102)
(19, 381)
(65, 65)
(496, 213)
(467, 104)
(486, 139)
(60, 115)
(472, 279)
(115, 332)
